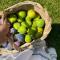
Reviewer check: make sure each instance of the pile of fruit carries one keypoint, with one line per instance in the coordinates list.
(25, 26)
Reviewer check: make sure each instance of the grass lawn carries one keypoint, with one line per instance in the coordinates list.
(54, 11)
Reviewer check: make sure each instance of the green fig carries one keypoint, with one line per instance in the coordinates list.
(28, 38)
(27, 18)
(31, 31)
(34, 21)
(37, 18)
(40, 30)
(28, 22)
(22, 14)
(12, 18)
(40, 23)
(19, 20)
(37, 35)
(22, 30)
(24, 24)
(31, 13)
(34, 24)
(33, 28)
(16, 25)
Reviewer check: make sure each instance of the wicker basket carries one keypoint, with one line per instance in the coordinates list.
(31, 5)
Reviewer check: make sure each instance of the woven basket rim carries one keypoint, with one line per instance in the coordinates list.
(44, 14)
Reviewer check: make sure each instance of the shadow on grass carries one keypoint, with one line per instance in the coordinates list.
(53, 39)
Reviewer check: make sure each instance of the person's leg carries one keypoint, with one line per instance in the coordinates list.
(25, 55)
(52, 53)
(35, 57)
(39, 51)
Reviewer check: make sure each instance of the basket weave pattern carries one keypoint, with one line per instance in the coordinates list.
(39, 9)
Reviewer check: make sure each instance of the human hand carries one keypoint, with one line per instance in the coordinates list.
(4, 29)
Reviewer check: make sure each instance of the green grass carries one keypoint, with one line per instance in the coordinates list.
(54, 11)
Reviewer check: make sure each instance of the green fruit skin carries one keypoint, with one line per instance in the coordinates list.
(22, 14)
(16, 25)
(31, 31)
(40, 23)
(27, 18)
(19, 20)
(12, 18)
(37, 18)
(40, 30)
(34, 24)
(22, 30)
(28, 21)
(24, 24)
(38, 35)
(33, 28)
(27, 38)
(31, 13)
(34, 21)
